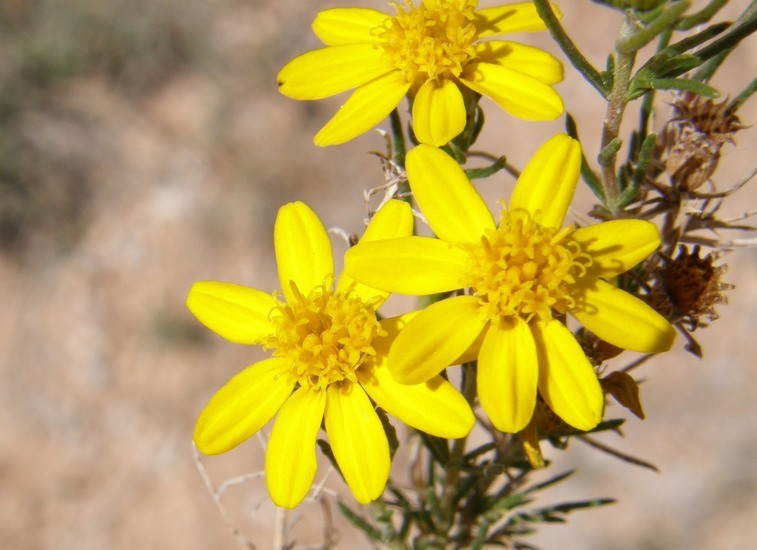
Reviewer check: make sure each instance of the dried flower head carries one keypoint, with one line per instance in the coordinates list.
(687, 288)
(691, 141)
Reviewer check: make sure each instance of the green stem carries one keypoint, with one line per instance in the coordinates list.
(577, 59)
(398, 153)
(616, 105)
(458, 447)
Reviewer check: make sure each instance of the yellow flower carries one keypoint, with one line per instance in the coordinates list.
(429, 52)
(329, 358)
(519, 274)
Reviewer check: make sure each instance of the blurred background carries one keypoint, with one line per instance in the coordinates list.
(144, 146)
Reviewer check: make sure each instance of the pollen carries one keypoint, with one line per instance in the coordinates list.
(524, 269)
(327, 336)
(429, 42)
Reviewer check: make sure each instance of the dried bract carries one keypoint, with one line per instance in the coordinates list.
(691, 141)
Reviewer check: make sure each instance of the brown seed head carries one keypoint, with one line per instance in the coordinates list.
(692, 139)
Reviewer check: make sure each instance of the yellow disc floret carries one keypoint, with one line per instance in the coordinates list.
(524, 269)
(326, 336)
(429, 42)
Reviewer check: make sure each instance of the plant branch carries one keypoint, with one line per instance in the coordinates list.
(576, 58)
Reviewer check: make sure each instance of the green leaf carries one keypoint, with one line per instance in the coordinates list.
(438, 447)
(359, 522)
(702, 16)
(328, 453)
(642, 165)
(633, 38)
(391, 433)
(486, 171)
(609, 151)
(587, 174)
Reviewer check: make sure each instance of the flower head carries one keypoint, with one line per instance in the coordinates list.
(329, 362)
(521, 275)
(431, 52)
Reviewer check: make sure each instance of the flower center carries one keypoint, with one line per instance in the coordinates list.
(326, 336)
(524, 269)
(430, 41)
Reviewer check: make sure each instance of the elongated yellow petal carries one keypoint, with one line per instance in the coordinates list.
(438, 112)
(393, 325)
(238, 313)
(434, 407)
(508, 375)
(290, 461)
(520, 17)
(340, 26)
(244, 405)
(358, 441)
(454, 209)
(367, 106)
(411, 265)
(617, 245)
(303, 249)
(434, 338)
(548, 181)
(330, 71)
(567, 381)
(622, 319)
(534, 62)
(519, 94)
(393, 220)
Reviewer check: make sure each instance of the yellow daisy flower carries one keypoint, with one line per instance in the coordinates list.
(329, 362)
(430, 52)
(519, 275)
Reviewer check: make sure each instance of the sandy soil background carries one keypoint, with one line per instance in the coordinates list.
(144, 146)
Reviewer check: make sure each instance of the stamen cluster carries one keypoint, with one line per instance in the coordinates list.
(524, 269)
(427, 41)
(326, 336)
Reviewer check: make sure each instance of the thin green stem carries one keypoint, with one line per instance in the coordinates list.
(576, 58)
(458, 447)
(616, 105)
(398, 155)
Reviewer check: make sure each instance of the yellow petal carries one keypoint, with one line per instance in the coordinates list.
(617, 245)
(330, 71)
(340, 26)
(438, 112)
(508, 374)
(410, 265)
(434, 407)
(567, 381)
(243, 406)
(622, 319)
(358, 441)
(237, 313)
(367, 106)
(520, 17)
(303, 249)
(454, 209)
(519, 94)
(290, 461)
(528, 60)
(549, 180)
(393, 220)
(434, 338)
(392, 326)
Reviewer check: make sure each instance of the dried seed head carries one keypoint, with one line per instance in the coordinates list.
(689, 287)
(691, 140)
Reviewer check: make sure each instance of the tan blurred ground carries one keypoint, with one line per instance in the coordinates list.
(104, 370)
